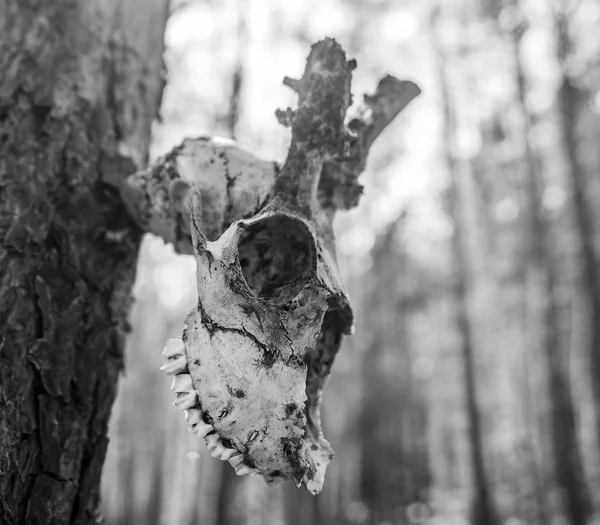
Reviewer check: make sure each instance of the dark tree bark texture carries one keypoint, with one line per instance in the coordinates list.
(80, 84)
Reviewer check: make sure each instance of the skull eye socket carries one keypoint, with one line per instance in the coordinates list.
(277, 257)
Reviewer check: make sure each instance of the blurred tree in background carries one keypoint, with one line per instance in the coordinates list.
(471, 390)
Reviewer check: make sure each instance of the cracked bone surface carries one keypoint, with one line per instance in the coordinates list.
(271, 313)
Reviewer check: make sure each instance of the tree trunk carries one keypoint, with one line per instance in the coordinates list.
(483, 510)
(80, 86)
(584, 221)
(393, 468)
(543, 273)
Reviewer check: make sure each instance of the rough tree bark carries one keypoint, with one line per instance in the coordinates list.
(80, 85)
(542, 274)
(483, 510)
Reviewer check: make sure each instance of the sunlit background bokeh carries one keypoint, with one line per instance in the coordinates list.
(394, 409)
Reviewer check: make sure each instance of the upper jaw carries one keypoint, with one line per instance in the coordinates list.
(305, 457)
(257, 350)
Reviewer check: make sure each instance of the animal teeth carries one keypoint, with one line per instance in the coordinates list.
(236, 460)
(244, 470)
(223, 453)
(193, 416)
(201, 429)
(186, 400)
(174, 348)
(220, 451)
(175, 366)
(182, 383)
(211, 440)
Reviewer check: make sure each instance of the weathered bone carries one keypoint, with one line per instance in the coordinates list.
(186, 400)
(182, 383)
(222, 453)
(271, 308)
(177, 365)
(174, 349)
(245, 470)
(201, 429)
(193, 416)
(234, 183)
(212, 440)
(236, 460)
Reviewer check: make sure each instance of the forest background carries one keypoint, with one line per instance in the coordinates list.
(470, 392)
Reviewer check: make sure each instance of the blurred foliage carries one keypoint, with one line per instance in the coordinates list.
(394, 409)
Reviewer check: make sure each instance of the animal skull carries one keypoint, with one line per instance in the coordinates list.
(258, 348)
(256, 352)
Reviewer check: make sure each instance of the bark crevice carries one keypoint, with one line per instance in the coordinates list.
(65, 288)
